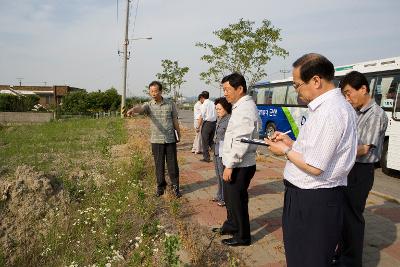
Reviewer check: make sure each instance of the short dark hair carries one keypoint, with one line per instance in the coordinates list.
(355, 79)
(205, 94)
(235, 80)
(224, 103)
(314, 64)
(156, 83)
(198, 98)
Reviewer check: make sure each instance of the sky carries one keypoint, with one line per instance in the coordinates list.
(76, 42)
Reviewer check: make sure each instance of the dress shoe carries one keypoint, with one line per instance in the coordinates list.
(221, 203)
(205, 160)
(214, 199)
(176, 191)
(220, 231)
(234, 243)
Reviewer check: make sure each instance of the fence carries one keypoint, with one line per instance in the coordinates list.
(25, 117)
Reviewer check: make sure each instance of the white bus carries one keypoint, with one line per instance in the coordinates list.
(281, 109)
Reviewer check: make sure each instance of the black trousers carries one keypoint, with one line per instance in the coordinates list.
(162, 153)
(207, 137)
(359, 183)
(311, 223)
(236, 201)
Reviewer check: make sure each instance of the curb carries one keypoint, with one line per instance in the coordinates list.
(386, 196)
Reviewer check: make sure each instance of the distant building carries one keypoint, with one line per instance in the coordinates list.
(49, 95)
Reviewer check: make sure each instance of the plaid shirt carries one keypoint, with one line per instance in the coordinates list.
(161, 115)
(371, 127)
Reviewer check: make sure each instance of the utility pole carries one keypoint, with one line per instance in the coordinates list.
(284, 71)
(126, 57)
(126, 43)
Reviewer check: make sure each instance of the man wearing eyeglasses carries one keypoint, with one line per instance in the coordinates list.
(317, 165)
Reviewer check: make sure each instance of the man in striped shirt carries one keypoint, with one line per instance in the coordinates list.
(165, 133)
(318, 163)
(371, 126)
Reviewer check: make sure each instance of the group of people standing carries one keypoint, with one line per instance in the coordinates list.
(329, 170)
(220, 126)
(330, 167)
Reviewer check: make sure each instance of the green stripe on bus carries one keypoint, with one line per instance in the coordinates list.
(344, 68)
(291, 121)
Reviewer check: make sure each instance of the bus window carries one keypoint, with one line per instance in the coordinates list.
(278, 94)
(385, 90)
(293, 98)
(261, 95)
(371, 82)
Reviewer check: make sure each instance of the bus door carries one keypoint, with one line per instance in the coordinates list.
(393, 152)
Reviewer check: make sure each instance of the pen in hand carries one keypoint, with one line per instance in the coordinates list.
(285, 133)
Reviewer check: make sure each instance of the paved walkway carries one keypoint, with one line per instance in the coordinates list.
(198, 183)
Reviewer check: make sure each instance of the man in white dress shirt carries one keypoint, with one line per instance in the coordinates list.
(197, 144)
(318, 164)
(239, 160)
(208, 121)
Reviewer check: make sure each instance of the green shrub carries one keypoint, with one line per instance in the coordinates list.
(16, 103)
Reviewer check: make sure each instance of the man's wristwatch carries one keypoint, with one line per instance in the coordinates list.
(286, 152)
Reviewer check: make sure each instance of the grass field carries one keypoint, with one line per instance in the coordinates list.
(110, 217)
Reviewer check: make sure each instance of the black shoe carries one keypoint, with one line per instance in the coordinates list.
(234, 243)
(220, 231)
(176, 191)
(336, 260)
(205, 160)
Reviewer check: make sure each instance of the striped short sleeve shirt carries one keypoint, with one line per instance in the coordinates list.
(327, 141)
(371, 126)
(161, 115)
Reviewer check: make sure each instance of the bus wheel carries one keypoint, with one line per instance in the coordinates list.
(270, 129)
(385, 169)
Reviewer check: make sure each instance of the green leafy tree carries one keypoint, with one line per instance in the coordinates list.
(112, 100)
(172, 77)
(76, 102)
(18, 103)
(82, 102)
(244, 49)
(95, 101)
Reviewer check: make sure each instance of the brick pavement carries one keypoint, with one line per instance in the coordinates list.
(198, 184)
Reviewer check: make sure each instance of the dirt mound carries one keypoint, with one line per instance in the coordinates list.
(28, 206)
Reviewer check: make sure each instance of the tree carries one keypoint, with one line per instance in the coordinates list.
(111, 100)
(76, 102)
(18, 103)
(243, 49)
(172, 77)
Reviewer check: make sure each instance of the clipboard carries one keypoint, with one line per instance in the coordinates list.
(253, 141)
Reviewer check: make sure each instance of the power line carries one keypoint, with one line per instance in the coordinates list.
(134, 20)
